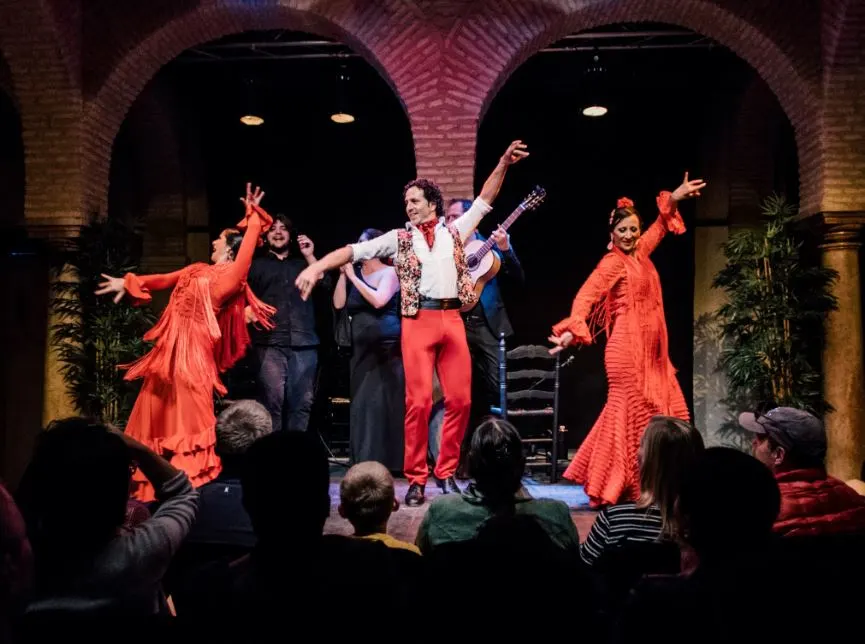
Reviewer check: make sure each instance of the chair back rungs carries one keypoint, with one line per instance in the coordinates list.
(529, 378)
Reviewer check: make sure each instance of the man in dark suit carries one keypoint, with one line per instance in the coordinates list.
(484, 324)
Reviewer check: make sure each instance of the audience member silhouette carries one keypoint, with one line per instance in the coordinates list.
(296, 577)
(496, 462)
(91, 568)
(728, 505)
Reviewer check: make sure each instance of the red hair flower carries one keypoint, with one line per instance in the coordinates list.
(624, 202)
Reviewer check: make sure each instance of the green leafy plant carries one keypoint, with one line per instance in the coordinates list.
(92, 334)
(772, 323)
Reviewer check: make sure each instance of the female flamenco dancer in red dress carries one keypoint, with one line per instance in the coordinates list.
(622, 297)
(201, 333)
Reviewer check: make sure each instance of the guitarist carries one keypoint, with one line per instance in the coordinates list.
(484, 324)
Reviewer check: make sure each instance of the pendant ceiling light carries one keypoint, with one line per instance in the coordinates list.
(251, 114)
(342, 114)
(595, 103)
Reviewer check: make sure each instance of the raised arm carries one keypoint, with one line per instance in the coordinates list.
(669, 219)
(468, 222)
(150, 546)
(256, 222)
(377, 297)
(574, 329)
(515, 152)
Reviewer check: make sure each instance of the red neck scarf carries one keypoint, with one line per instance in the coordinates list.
(429, 232)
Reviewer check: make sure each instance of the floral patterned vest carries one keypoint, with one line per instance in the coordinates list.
(408, 269)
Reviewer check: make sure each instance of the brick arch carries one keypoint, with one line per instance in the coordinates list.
(373, 31)
(46, 91)
(522, 29)
(843, 109)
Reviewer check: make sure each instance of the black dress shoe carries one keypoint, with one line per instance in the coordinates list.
(448, 485)
(415, 496)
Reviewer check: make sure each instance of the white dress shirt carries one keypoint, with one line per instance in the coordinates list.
(438, 279)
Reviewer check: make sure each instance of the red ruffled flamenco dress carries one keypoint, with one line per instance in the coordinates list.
(623, 298)
(201, 333)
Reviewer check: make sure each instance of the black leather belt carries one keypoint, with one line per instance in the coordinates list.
(441, 305)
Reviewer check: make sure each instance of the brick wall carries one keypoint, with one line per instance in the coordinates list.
(754, 165)
(50, 108)
(147, 178)
(445, 59)
(842, 139)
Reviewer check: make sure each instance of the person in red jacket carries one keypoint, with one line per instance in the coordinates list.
(792, 443)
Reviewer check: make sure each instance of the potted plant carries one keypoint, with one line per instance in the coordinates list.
(772, 323)
(92, 334)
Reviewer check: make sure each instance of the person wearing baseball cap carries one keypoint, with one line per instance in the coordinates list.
(792, 444)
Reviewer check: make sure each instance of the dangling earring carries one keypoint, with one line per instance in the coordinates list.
(610, 245)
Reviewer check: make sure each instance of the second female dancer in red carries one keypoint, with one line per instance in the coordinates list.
(622, 297)
(201, 333)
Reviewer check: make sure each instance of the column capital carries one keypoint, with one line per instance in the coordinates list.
(57, 230)
(840, 230)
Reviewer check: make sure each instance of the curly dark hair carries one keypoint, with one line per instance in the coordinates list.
(431, 192)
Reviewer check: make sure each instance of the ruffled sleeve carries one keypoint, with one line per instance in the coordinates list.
(138, 287)
(135, 290)
(263, 217)
(256, 222)
(669, 221)
(669, 213)
(589, 308)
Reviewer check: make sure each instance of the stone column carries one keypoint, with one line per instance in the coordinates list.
(844, 381)
(56, 401)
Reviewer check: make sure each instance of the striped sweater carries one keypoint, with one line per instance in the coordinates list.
(617, 525)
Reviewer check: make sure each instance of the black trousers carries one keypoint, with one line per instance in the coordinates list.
(484, 349)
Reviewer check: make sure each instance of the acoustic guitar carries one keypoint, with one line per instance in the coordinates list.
(484, 265)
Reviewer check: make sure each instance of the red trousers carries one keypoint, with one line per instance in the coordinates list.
(435, 340)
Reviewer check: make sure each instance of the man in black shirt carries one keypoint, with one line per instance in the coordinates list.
(288, 354)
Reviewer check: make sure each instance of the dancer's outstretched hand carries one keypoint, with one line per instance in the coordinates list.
(112, 285)
(561, 341)
(252, 197)
(516, 151)
(688, 189)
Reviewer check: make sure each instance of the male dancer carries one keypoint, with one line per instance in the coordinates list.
(434, 284)
(484, 325)
(287, 354)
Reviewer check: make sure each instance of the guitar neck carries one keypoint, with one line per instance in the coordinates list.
(488, 244)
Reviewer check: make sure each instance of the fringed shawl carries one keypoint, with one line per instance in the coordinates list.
(193, 341)
(626, 289)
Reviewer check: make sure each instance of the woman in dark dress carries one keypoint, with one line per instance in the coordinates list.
(370, 296)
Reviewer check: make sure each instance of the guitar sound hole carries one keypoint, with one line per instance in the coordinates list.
(472, 262)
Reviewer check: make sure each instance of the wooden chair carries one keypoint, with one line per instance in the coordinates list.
(529, 392)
